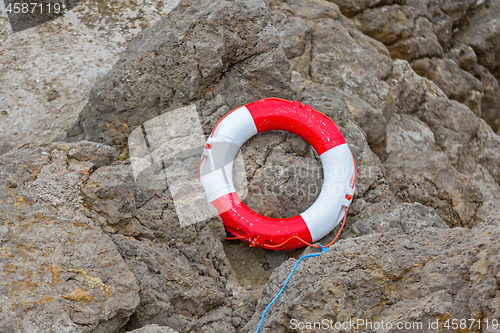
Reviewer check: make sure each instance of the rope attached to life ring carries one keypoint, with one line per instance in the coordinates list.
(324, 249)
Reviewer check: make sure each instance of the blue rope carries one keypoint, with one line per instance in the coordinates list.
(323, 250)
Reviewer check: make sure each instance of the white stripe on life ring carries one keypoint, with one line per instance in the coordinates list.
(236, 128)
(327, 211)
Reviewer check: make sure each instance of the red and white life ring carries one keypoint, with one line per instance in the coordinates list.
(339, 170)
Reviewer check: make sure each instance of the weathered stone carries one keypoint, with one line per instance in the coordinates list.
(154, 329)
(481, 31)
(455, 9)
(407, 218)
(392, 277)
(491, 99)
(59, 271)
(329, 88)
(405, 30)
(408, 133)
(110, 193)
(276, 258)
(431, 180)
(479, 159)
(323, 38)
(456, 131)
(456, 83)
(370, 119)
(423, 161)
(97, 154)
(180, 270)
(408, 91)
(458, 204)
(440, 30)
(350, 8)
(452, 123)
(463, 55)
(358, 77)
(200, 52)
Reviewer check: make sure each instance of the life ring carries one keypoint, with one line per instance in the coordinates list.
(339, 169)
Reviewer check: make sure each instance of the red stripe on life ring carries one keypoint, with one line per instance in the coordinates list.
(295, 117)
(259, 230)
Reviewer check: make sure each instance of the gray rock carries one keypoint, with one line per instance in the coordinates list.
(431, 180)
(433, 33)
(425, 163)
(154, 329)
(491, 98)
(350, 8)
(456, 10)
(456, 83)
(276, 258)
(463, 55)
(218, 56)
(111, 193)
(481, 31)
(330, 88)
(59, 271)
(407, 218)
(457, 132)
(407, 93)
(479, 159)
(407, 30)
(78, 278)
(452, 123)
(408, 133)
(426, 276)
(324, 44)
(221, 55)
(97, 154)
(180, 270)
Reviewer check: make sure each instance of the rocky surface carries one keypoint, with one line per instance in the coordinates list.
(204, 55)
(87, 250)
(154, 329)
(426, 276)
(405, 83)
(46, 72)
(182, 272)
(452, 43)
(405, 217)
(59, 271)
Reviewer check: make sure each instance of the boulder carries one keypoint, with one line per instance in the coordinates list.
(59, 271)
(405, 217)
(95, 251)
(219, 55)
(432, 274)
(154, 329)
(456, 83)
(434, 34)
(481, 31)
(181, 271)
